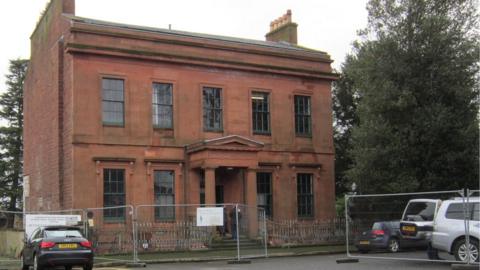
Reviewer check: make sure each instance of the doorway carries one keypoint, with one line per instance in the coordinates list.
(219, 199)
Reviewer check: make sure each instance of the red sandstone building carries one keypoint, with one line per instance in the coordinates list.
(119, 114)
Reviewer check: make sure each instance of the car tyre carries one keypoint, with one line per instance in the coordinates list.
(24, 265)
(68, 267)
(393, 245)
(460, 250)
(35, 263)
(88, 266)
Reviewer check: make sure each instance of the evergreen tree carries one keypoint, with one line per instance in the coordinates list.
(345, 100)
(416, 73)
(11, 145)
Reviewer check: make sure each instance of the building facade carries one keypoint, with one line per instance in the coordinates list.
(118, 114)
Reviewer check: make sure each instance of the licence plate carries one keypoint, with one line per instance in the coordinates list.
(62, 246)
(364, 242)
(408, 228)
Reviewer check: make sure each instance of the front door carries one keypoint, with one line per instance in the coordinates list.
(219, 194)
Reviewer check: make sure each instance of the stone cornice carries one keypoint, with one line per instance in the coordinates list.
(312, 55)
(175, 57)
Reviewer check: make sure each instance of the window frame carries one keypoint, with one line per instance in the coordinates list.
(104, 100)
(304, 115)
(269, 195)
(309, 203)
(114, 218)
(156, 125)
(157, 215)
(214, 109)
(263, 113)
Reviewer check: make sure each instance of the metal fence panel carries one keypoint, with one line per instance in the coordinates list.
(164, 229)
(112, 233)
(426, 226)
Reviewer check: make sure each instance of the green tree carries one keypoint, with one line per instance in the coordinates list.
(416, 73)
(11, 146)
(345, 100)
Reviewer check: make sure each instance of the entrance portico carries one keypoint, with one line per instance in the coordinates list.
(228, 164)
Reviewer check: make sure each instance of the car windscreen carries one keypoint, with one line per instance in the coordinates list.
(420, 211)
(54, 233)
(377, 226)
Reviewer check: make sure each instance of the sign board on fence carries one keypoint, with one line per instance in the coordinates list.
(210, 216)
(34, 221)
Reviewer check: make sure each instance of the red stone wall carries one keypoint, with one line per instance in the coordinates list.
(65, 139)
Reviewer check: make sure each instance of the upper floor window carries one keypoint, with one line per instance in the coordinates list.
(264, 192)
(113, 102)
(162, 116)
(164, 191)
(212, 109)
(260, 113)
(303, 116)
(114, 194)
(304, 195)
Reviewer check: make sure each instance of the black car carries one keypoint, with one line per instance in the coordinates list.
(52, 246)
(384, 235)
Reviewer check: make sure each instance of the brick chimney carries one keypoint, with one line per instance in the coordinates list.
(283, 29)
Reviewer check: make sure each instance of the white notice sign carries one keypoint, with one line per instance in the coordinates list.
(34, 221)
(209, 216)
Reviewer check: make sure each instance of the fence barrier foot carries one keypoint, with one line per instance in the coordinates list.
(239, 262)
(136, 265)
(464, 266)
(347, 260)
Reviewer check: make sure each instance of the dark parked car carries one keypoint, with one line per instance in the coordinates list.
(384, 235)
(57, 246)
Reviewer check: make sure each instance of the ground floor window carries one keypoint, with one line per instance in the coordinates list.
(304, 195)
(114, 194)
(164, 192)
(264, 192)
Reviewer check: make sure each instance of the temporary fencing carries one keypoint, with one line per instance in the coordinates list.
(228, 231)
(112, 232)
(414, 226)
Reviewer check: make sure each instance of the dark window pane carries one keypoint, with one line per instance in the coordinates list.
(302, 115)
(164, 193)
(304, 195)
(114, 194)
(260, 113)
(113, 101)
(264, 192)
(212, 109)
(162, 105)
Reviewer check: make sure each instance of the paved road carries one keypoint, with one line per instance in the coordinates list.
(310, 262)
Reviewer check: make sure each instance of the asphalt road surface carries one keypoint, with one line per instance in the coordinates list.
(320, 262)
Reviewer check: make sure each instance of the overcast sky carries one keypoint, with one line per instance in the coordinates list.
(324, 25)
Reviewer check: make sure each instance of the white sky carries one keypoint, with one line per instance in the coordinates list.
(322, 24)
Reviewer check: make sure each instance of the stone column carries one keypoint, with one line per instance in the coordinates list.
(251, 195)
(210, 186)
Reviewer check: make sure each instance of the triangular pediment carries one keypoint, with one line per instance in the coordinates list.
(231, 142)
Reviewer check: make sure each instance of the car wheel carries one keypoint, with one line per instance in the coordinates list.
(24, 265)
(35, 263)
(460, 250)
(88, 267)
(393, 245)
(68, 267)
